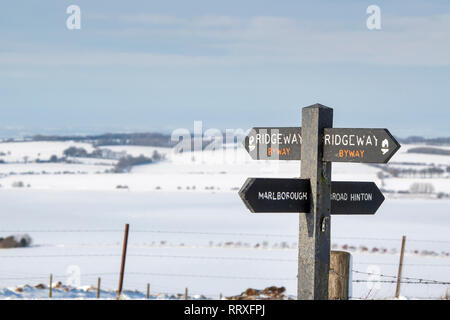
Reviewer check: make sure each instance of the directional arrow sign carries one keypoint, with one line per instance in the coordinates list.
(355, 197)
(274, 143)
(340, 144)
(293, 195)
(359, 145)
(276, 195)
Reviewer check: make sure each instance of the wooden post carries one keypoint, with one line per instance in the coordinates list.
(314, 227)
(148, 291)
(122, 265)
(220, 296)
(400, 266)
(186, 294)
(50, 289)
(98, 287)
(340, 270)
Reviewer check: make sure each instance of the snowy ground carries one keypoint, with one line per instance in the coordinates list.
(189, 227)
(208, 242)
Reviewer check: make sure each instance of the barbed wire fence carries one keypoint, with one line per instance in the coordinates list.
(383, 278)
(279, 235)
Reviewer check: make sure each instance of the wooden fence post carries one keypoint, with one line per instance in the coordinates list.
(148, 291)
(400, 266)
(98, 287)
(339, 285)
(122, 265)
(186, 294)
(50, 293)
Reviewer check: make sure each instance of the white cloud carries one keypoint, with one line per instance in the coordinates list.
(216, 21)
(155, 19)
(411, 41)
(105, 58)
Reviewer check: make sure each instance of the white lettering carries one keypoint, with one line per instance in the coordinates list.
(282, 195)
(361, 197)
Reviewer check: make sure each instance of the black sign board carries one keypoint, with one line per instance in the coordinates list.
(340, 144)
(355, 197)
(293, 195)
(359, 145)
(276, 195)
(274, 143)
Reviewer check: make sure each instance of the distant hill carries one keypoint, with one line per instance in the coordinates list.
(139, 139)
(150, 139)
(429, 150)
(155, 139)
(421, 140)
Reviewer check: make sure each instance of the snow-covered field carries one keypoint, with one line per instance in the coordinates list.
(189, 227)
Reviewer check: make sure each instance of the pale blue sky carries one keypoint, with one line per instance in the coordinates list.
(157, 66)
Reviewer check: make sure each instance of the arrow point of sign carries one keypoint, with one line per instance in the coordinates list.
(243, 191)
(244, 188)
(396, 146)
(379, 193)
(244, 142)
(250, 147)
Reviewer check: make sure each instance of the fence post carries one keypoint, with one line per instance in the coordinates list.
(400, 266)
(50, 293)
(98, 287)
(186, 294)
(148, 291)
(339, 284)
(122, 265)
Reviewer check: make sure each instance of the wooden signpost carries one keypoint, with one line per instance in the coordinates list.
(314, 195)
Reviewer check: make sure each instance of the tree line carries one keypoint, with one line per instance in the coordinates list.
(140, 139)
